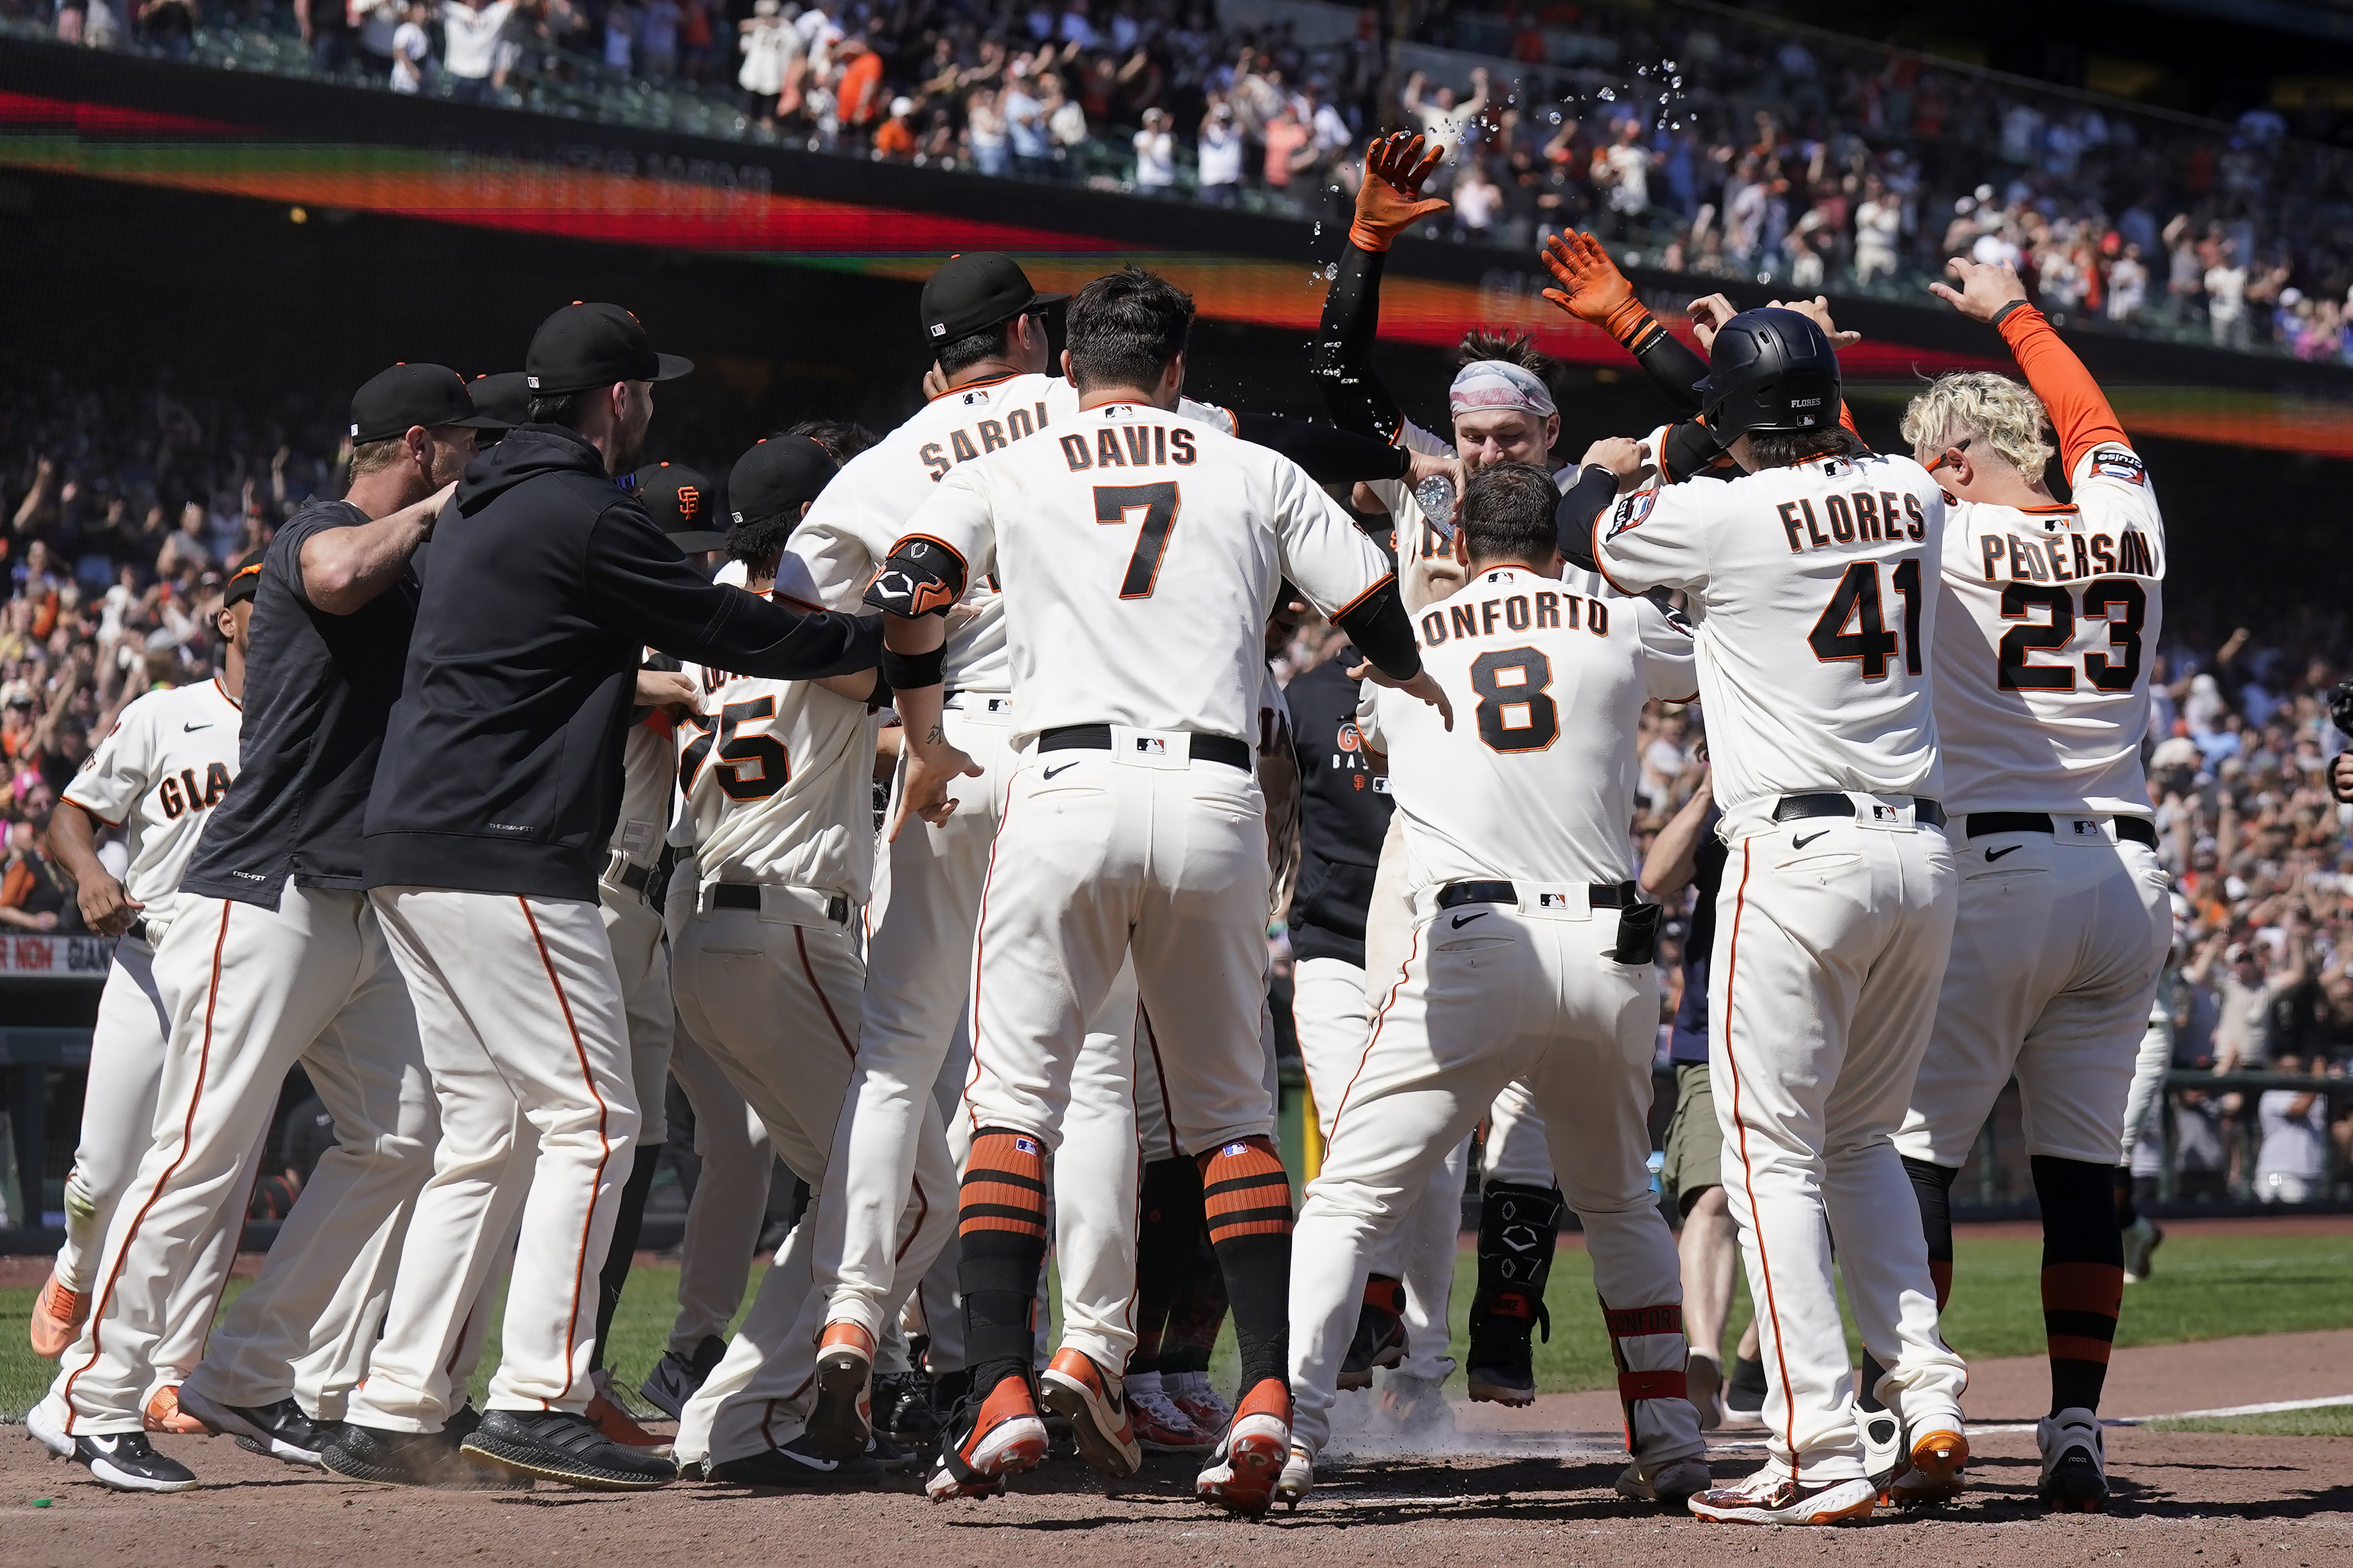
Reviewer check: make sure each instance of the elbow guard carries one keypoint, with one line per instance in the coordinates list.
(1572, 520)
(1690, 448)
(1377, 623)
(1673, 367)
(908, 672)
(923, 577)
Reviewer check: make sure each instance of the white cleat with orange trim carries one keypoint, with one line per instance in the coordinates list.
(1249, 1461)
(843, 1418)
(1074, 1388)
(986, 1440)
(1769, 1497)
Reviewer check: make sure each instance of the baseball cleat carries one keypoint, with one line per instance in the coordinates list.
(58, 1317)
(1703, 1385)
(1249, 1457)
(164, 1413)
(1501, 1363)
(1743, 1393)
(843, 1418)
(795, 1464)
(1298, 1478)
(1190, 1392)
(902, 1409)
(988, 1440)
(1073, 1388)
(1770, 1498)
(1412, 1406)
(1882, 1431)
(1938, 1458)
(2074, 1461)
(617, 1423)
(1380, 1339)
(1160, 1427)
(430, 1459)
(557, 1445)
(677, 1377)
(1670, 1483)
(2141, 1239)
(119, 1461)
(277, 1431)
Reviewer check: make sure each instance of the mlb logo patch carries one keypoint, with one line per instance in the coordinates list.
(1884, 813)
(1026, 1146)
(2085, 828)
(1234, 1151)
(1151, 746)
(1552, 901)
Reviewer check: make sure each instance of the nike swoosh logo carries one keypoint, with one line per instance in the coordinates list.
(1992, 854)
(1066, 767)
(191, 729)
(1461, 920)
(1809, 839)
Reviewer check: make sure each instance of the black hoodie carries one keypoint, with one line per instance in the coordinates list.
(502, 763)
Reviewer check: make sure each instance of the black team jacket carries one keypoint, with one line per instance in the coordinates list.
(502, 763)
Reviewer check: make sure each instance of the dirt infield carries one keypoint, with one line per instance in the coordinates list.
(1525, 1484)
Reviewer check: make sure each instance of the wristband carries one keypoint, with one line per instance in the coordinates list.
(914, 671)
(2004, 313)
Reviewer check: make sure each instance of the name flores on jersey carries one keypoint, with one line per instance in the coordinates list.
(1516, 613)
(1859, 517)
(2033, 560)
(993, 434)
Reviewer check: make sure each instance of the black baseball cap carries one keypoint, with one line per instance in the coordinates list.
(583, 346)
(408, 394)
(243, 584)
(502, 397)
(774, 477)
(971, 293)
(681, 500)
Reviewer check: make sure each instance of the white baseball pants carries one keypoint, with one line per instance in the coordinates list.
(2055, 955)
(1830, 937)
(250, 991)
(117, 1126)
(521, 1012)
(641, 958)
(730, 1205)
(927, 890)
(1508, 997)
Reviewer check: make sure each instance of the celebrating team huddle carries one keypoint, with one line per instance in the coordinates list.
(516, 800)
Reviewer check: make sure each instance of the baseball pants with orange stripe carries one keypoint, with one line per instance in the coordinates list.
(1515, 998)
(1829, 953)
(526, 1035)
(773, 1002)
(731, 1198)
(117, 1126)
(250, 991)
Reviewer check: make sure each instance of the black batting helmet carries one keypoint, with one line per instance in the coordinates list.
(1769, 369)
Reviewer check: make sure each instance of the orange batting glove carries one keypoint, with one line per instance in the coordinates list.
(1593, 289)
(1389, 202)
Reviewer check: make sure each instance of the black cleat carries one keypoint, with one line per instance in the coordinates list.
(277, 1431)
(676, 1377)
(797, 1464)
(1380, 1339)
(558, 1445)
(412, 1459)
(902, 1409)
(119, 1461)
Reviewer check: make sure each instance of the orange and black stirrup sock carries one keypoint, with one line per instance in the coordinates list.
(2083, 1276)
(1247, 1195)
(1001, 1245)
(1167, 1247)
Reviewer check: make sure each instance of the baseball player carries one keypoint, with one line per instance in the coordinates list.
(2047, 614)
(1515, 976)
(274, 955)
(487, 827)
(155, 778)
(1839, 895)
(1133, 826)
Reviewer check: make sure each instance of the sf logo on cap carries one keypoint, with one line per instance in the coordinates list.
(689, 500)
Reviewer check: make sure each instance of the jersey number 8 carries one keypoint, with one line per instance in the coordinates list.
(1515, 714)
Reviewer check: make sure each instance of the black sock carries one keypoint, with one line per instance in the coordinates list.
(2128, 1211)
(1168, 1242)
(1932, 1188)
(626, 1222)
(1001, 1245)
(1747, 1380)
(1247, 1194)
(2083, 1276)
(1201, 1306)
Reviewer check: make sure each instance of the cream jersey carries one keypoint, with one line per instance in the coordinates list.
(777, 778)
(167, 761)
(849, 529)
(1425, 568)
(2049, 623)
(1815, 614)
(1535, 781)
(1139, 554)
(648, 790)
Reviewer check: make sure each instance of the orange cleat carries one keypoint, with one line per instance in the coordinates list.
(843, 1418)
(1250, 1457)
(1076, 1389)
(164, 1414)
(619, 1427)
(988, 1440)
(58, 1317)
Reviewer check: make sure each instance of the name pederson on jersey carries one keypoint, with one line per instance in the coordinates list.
(2049, 618)
(1817, 597)
(851, 528)
(1535, 781)
(1139, 554)
(168, 761)
(777, 777)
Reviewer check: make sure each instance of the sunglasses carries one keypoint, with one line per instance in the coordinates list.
(1949, 453)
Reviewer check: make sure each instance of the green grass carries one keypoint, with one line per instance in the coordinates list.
(2321, 1421)
(2204, 1286)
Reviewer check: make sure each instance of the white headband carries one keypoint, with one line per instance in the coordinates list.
(1498, 384)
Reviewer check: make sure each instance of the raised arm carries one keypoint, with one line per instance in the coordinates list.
(2080, 415)
(344, 569)
(1593, 290)
(1388, 202)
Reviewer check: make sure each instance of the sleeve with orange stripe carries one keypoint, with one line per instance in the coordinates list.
(2079, 409)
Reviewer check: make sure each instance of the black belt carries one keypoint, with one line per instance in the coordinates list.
(1097, 738)
(138, 929)
(2139, 829)
(746, 896)
(1606, 895)
(1830, 803)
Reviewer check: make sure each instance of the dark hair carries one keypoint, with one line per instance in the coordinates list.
(1125, 327)
(961, 353)
(556, 408)
(763, 538)
(1784, 448)
(1507, 514)
(1513, 348)
(841, 439)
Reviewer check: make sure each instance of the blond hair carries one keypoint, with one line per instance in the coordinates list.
(1979, 405)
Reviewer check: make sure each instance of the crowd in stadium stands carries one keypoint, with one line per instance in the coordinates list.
(1705, 143)
(124, 506)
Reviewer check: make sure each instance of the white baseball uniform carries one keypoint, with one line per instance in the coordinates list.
(724, 1217)
(2048, 620)
(1128, 534)
(1517, 858)
(928, 882)
(1816, 613)
(166, 763)
(649, 764)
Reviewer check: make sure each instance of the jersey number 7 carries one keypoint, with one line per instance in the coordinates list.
(1856, 602)
(1156, 507)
